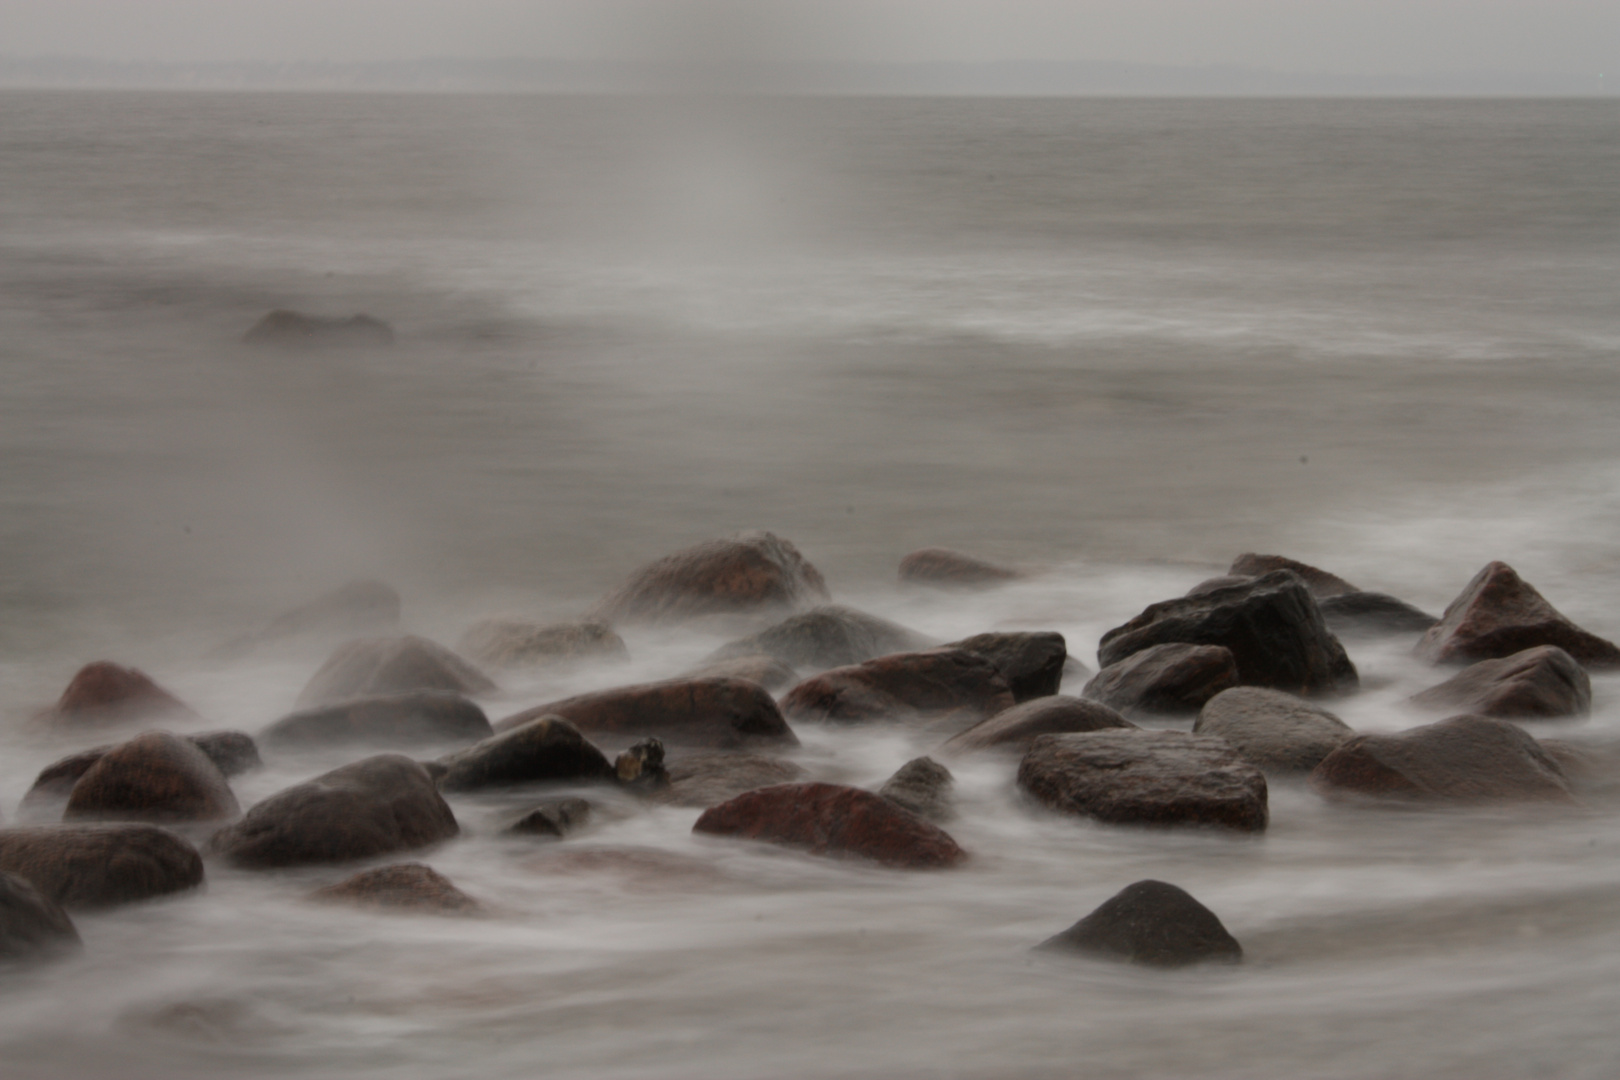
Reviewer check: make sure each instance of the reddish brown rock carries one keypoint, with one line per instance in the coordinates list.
(411, 887)
(754, 571)
(902, 686)
(1152, 923)
(1170, 679)
(156, 777)
(414, 718)
(923, 786)
(824, 637)
(232, 752)
(1277, 731)
(524, 643)
(547, 748)
(372, 667)
(1320, 582)
(705, 778)
(1541, 682)
(760, 668)
(827, 819)
(1499, 614)
(105, 693)
(98, 866)
(944, 568)
(551, 820)
(716, 713)
(1016, 728)
(1032, 662)
(1462, 759)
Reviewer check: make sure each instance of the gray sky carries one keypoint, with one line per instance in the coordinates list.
(1369, 37)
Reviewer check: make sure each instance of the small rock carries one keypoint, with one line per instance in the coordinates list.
(32, 926)
(923, 786)
(716, 713)
(767, 671)
(412, 718)
(705, 778)
(105, 693)
(944, 568)
(1461, 759)
(546, 749)
(293, 329)
(98, 866)
(901, 686)
(1541, 682)
(371, 667)
(1499, 614)
(1032, 663)
(642, 766)
(1276, 731)
(401, 887)
(1170, 679)
(156, 777)
(1320, 582)
(1153, 923)
(754, 571)
(232, 752)
(509, 643)
(552, 819)
(1372, 614)
(826, 637)
(827, 819)
(1017, 727)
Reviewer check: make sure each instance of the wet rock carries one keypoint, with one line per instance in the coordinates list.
(412, 718)
(32, 926)
(552, 819)
(1032, 663)
(944, 568)
(826, 637)
(232, 752)
(546, 749)
(1372, 614)
(901, 686)
(400, 887)
(1146, 778)
(1017, 727)
(923, 786)
(1170, 679)
(1152, 923)
(98, 866)
(1461, 759)
(371, 667)
(716, 713)
(767, 671)
(295, 330)
(1499, 614)
(1209, 585)
(641, 767)
(366, 809)
(1276, 731)
(509, 643)
(827, 819)
(105, 693)
(750, 572)
(1271, 625)
(1320, 582)
(1588, 768)
(156, 777)
(1541, 682)
(705, 778)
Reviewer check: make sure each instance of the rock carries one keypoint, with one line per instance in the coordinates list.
(1462, 759)
(901, 686)
(1271, 625)
(826, 637)
(1153, 923)
(1032, 663)
(412, 718)
(1499, 614)
(1320, 582)
(293, 329)
(400, 887)
(32, 926)
(706, 778)
(232, 752)
(642, 766)
(1170, 679)
(1372, 614)
(370, 667)
(1276, 731)
(98, 866)
(105, 693)
(1588, 768)
(750, 572)
(366, 809)
(923, 786)
(1209, 585)
(552, 819)
(1017, 727)
(767, 671)
(717, 713)
(547, 748)
(511, 643)
(1541, 682)
(156, 777)
(827, 819)
(944, 568)
(1146, 778)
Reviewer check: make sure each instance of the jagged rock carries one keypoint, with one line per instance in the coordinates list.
(407, 719)
(400, 887)
(293, 329)
(1320, 582)
(1271, 624)
(1169, 679)
(1461, 759)
(706, 778)
(371, 667)
(767, 671)
(232, 752)
(372, 807)
(1017, 727)
(547, 748)
(900, 686)
(718, 713)
(827, 819)
(511, 643)
(1369, 614)
(1541, 682)
(1032, 663)
(944, 568)
(98, 866)
(642, 766)
(923, 786)
(155, 776)
(753, 571)
(1153, 923)
(1276, 731)
(32, 926)
(105, 693)
(552, 819)
(1499, 614)
(826, 637)
(1146, 778)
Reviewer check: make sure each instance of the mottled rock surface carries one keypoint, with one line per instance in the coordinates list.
(106, 693)
(824, 637)
(1544, 681)
(1463, 759)
(923, 786)
(1152, 923)
(370, 667)
(508, 643)
(552, 819)
(1164, 680)
(705, 778)
(155, 777)
(546, 749)
(750, 572)
(900, 686)
(827, 819)
(400, 887)
(1320, 582)
(1033, 663)
(412, 718)
(1499, 614)
(944, 568)
(715, 713)
(1017, 727)
(98, 866)
(1276, 731)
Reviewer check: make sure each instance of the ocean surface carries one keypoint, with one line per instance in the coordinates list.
(1115, 342)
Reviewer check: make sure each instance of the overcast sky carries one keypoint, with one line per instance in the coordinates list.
(1370, 37)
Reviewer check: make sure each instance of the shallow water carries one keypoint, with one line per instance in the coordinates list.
(1119, 342)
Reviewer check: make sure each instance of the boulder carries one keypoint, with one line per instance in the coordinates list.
(1032, 663)
(412, 718)
(155, 776)
(373, 807)
(1463, 759)
(827, 819)
(1271, 625)
(901, 686)
(370, 667)
(284, 329)
(1017, 727)
(767, 671)
(551, 820)
(508, 643)
(547, 748)
(1152, 923)
(705, 778)
(1169, 680)
(1541, 682)
(98, 866)
(400, 887)
(641, 767)
(1500, 614)
(232, 752)
(923, 786)
(1146, 778)
(1372, 614)
(32, 926)
(750, 572)
(826, 637)
(1276, 731)
(1209, 585)
(105, 693)
(716, 713)
(944, 568)
(1320, 582)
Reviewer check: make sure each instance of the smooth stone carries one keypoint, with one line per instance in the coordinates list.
(400, 887)
(546, 749)
(705, 778)
(32, 926)
(295, 330)
(760, 668)
(752, 571)
(412, 718)
(1277, 731)
(901, 686)
(1541, 682)
(1033, 663)
(232, 752)
(825, 637)
(1320, 582)
(715, 713)
(945, 568)
(1372, 614)
(923, 786)
(1499, 614)
(1464, 759)
(371, 667)
(509, 643)
(1152, 923)
(155, 777)
(829, 819)
(1016, 728)
(1167, 680)
(99, 866)
(552, 819)
(102, 692)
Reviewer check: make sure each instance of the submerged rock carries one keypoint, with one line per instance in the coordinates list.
(547, 748)
(400, 887)
(1152, 923)
(767, 671)
(705, 778)
(411, 718)
(1276, 731)
(1168, 680)
(824, 637)
(1016, 728)
(295, 330)
(1033, 663)
(750, 572)
(827, 819)
(98, 866)
(923, 786)
(232, 752)
(552, 819)
(105, 693)
(522, 643)
(1372, 614)
(718, 713)
(1499, 614)
(901, 686)
(371, 667)
(1462, 759)
(359, 607)
(944, 568)
(1321, 583)
(155, 776)
(1541, 682)
(32, 926)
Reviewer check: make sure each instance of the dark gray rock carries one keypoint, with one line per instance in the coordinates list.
(412, 718)
(232, 752)
(1544, 681)
(1164, 680)
(824, 637)
(546, 749)
(32, 926)
(98, 866)
(1372, 614)
(943, 568)
(710, 712)
(552, 819)
(1464, 759)
(1320, 582)
(1276, 731)
(923, 786)
(749, 572)
(902, 686)
(509, 643)
(370, 667)
(707, 778)
(1152, 923)
(1499, 614)
(1017, 727)
(1032, 663)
